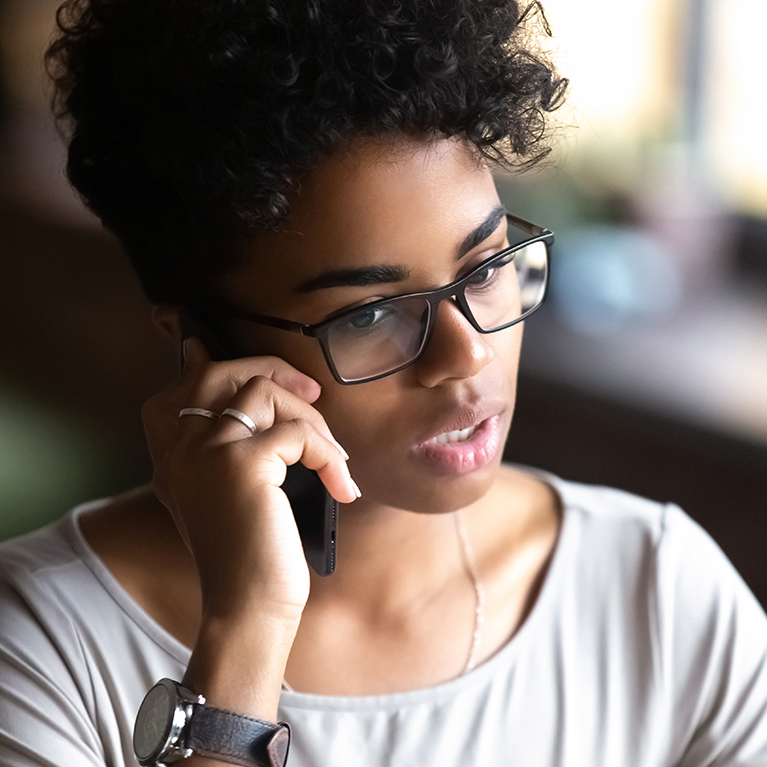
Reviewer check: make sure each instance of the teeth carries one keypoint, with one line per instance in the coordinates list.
(454, 436)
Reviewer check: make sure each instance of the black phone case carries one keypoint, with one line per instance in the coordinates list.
(314, 509)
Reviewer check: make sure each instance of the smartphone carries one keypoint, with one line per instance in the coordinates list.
(315, 510)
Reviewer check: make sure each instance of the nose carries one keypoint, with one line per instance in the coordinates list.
(454, 350)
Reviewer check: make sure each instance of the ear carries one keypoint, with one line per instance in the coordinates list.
(167, 319)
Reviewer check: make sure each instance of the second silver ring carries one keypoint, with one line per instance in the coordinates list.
(243, 418)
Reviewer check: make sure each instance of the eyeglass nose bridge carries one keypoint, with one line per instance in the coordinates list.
(458, 295)
(434, 300)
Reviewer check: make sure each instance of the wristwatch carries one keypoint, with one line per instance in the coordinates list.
(173, 723)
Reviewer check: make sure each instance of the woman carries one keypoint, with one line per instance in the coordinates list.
(274, 166)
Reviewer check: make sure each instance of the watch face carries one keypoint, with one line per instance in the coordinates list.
(153, 723)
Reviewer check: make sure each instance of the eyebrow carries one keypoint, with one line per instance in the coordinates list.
(362, 277)
(380, 274)
(482, 232)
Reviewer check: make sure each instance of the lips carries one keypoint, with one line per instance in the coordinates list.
(466, 441)
(460, 419)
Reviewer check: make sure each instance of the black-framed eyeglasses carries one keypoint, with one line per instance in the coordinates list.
(384, 336)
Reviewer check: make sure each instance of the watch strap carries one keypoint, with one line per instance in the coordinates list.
(237, 739)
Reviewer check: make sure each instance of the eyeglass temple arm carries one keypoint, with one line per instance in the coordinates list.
(534, 229)
(263, 319)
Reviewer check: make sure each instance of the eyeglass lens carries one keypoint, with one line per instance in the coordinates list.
(383, 337)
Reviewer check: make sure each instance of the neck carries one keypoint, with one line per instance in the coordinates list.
(401, 611)
(386, 556)
(401, 591)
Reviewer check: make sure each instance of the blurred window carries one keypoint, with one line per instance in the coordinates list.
(655, 81)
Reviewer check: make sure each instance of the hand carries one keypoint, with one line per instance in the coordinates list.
(222, 485)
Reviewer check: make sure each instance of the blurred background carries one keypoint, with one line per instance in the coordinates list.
(647, 368)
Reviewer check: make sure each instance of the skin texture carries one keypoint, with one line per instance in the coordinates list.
(410, 209)
(238, 590)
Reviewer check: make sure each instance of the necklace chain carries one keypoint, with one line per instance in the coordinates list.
(470, 563)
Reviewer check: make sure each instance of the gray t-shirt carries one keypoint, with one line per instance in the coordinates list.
(644, 649)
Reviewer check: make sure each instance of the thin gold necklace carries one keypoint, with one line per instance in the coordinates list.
(470, 565)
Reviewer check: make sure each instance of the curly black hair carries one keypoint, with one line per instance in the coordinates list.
(192, 120)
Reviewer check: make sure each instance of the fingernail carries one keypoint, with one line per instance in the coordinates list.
(340, 449)
(356, 489)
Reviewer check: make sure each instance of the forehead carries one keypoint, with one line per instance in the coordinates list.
(397, 202)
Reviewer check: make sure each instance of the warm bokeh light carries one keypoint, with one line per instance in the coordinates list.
(633, 99)
(737, 109)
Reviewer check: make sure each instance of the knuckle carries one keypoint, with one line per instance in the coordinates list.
(260, 384)
(303, 426)
(274, 363)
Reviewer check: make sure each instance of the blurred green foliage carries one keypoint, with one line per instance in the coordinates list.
(49, 462)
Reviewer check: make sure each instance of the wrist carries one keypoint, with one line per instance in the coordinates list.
(250, 608)
(232, 597)
(174, 723)
(240, 664)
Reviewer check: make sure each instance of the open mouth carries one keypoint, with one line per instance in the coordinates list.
(451, 437)
(460, 451)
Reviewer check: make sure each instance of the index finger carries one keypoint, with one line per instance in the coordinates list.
(241, 369)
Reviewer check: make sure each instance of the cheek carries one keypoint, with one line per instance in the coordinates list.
(357, 415)
(507, 345)
(376, 423)
(372, 422)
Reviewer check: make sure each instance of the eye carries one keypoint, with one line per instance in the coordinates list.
(487, 276)
(365, 319)
(481, 276)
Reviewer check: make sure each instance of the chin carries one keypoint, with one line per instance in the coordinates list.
(431, 494)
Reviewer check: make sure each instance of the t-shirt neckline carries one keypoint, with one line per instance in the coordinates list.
(480, 675)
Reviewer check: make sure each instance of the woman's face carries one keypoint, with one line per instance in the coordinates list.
(420, 209)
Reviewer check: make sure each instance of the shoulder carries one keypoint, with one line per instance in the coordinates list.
(604, 508)
(617, 526)
(41, 566)
(64, 606)
(648, 576)
(53, 570)
(60, 588)
(49, 592)
(44, 670)
(658, 542)
(76, 654)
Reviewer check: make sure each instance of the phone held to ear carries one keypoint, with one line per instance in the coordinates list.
(314, 509)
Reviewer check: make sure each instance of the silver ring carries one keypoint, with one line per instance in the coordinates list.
(245, 420)
(198, 411)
